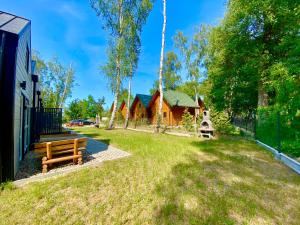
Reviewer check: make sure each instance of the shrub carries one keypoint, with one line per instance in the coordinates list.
(187, 120)
(221, 123)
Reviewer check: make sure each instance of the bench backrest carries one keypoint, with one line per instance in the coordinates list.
(59, 145)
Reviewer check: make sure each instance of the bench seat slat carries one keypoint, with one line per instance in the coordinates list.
(61, 159)
(60, 147)
(56, 143)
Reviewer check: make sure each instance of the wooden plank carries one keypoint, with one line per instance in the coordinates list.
(75, 149)
(59, 148)
(49, 152)
(39, 145)
(69, 141)
(54, 153)
(61, 159)
(56, 143)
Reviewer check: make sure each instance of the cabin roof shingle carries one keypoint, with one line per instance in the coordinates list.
(145, 99)
(175, 98)
(11, 23)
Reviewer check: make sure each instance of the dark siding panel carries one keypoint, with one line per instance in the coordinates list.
(7, 102)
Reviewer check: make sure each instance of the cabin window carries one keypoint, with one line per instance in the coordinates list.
(165, 114)
(27, 59)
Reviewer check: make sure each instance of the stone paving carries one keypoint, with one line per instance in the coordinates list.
(96, 153)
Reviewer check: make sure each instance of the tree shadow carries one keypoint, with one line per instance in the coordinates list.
(96, 136)
(228, 183)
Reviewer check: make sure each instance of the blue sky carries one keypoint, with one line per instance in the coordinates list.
(70, 30)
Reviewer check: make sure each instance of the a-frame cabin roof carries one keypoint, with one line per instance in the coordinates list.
(120, 104)
(144, 99)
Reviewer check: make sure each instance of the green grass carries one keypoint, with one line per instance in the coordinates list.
(167, 180)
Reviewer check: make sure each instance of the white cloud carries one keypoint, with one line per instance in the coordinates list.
(71, 10)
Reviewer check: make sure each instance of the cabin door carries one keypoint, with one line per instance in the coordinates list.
(24, 120)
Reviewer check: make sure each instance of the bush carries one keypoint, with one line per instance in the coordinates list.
(221, 123)
(187, 120)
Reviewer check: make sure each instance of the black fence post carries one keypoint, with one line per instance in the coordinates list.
(278, 132)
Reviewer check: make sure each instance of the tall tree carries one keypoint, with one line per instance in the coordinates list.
(193, 52)
(74, 110)
(85, 108)
(161, 64)
(172, 65)
(114, 13)
(136, 18)
(252, 57)
(56, 81)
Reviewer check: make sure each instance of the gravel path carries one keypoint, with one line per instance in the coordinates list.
(96, 153)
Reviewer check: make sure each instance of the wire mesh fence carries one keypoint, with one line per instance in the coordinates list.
(279, 130)
(274, 128)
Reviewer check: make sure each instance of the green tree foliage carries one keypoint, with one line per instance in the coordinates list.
(253, 57)
(123, 19)
(136, 19)
(114, 14)
(74, 110)
(124, 94)
(171, 67)
(187, 120)
(171, 77)
(85, 108)
(193, 52)
(56, 81)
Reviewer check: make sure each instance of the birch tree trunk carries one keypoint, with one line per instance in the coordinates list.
(65, 89)
(128, 103)
(197, 111)
(118, 67)
(159, 117)
(113, 114)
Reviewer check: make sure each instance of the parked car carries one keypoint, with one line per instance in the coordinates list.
(87, 122)
(80, 122)
(75, 123)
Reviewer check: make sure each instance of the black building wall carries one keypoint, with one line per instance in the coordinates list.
(7, 96)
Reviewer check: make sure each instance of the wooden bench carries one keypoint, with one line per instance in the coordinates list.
(59, 151)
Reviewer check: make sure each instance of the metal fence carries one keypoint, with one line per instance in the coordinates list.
(246, 123)
(275, 129)
(46, 121)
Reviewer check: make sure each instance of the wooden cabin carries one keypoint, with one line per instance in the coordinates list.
(140, 107)
(174, 104)
(18, 90)
(121, 108)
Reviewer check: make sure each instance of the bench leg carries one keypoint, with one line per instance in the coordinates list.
(75, 161)
(75, 150)
(80, 158)
(45, 166)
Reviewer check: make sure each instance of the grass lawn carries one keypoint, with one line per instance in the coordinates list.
(167, 180)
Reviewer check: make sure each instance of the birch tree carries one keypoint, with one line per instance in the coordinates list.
(193, 53)
(56, 81)
(113, 14)
(161, 64)
(137, 17)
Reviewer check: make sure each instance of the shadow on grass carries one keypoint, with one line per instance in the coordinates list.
(97, 137)
(213, 186)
